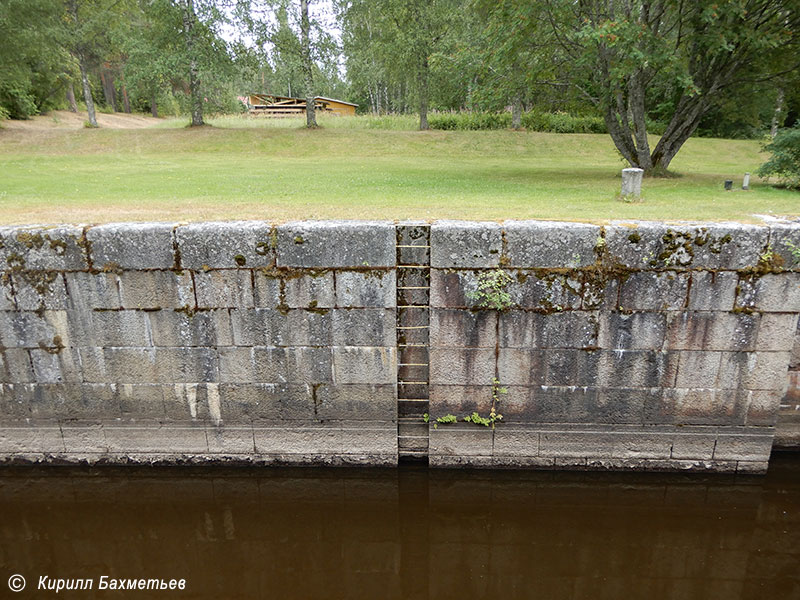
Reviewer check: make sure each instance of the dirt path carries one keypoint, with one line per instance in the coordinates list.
(63, 119)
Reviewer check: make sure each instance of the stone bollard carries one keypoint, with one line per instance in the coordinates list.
(746, 182)
(632, 183)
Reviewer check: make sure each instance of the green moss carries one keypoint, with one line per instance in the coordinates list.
(56, 347)
(634, 238)
(240, 260)
(298, 239)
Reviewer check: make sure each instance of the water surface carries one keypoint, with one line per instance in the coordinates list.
(405, 533)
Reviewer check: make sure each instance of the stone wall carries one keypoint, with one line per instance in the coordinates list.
(153, 342)
(633, 345)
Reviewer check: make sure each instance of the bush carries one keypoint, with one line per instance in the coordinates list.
(785, 160)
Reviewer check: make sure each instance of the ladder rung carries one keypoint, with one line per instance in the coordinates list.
(412, 382)
(414, 287)
(413, 365)
(413, 400)
(411, 246)
(413, 345)
(413, 266)
(413, 326)
(425, 306)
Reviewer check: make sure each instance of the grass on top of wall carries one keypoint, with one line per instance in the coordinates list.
(280, 171)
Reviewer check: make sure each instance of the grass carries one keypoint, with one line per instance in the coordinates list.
(275, 170)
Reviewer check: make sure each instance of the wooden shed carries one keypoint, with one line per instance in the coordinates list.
(270, 105)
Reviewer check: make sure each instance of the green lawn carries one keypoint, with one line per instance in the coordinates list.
(277, 171)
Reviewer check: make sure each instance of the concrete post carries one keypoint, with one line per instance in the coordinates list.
(632, 182)
(746, 182)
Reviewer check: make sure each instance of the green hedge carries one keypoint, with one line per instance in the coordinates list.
(532, 121)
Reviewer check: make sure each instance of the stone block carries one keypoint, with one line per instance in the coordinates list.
(268, 290)
(727, 246)
(315, 444)
(308, 328)
(309, 291)
(59, 248)
(15, 366)
(37, 290)
(147, 401)
(464, 329)
(766, 371)
(755, 446)
(462, 366)
(777, 332)
(638, 444)
(512, 442)
(134, 246)
(180, 402)
(259, 327)
(549, 244)
(520, 366)
(148, 365)
(231, 440)
(368, 289)
(694, 445)
(550, 292)
(236, 365)
(706, 330)
(33, 330)
(291, 365)
(226, 245)
(637, 368)
(578, 444)
(170, 327)
(72, 401)
(459, 439)
(7, 301)
(354, 364)
(56, 366)
(88, 291)
(654, 291)
(622, 405)
(109, 328)
(336, 244)
(763, 407)
(699, 407)
(14, 398)
(784, 240)
(154, 439)
(698, 369)
(466, 244)
(571, 367)
(363, 327)
(452, 289)
(600, 291)
(356, 402)
(30, 438)
(715, 290)
(84, 438)
(631, 331)
(156, 289)
(461, 399)
(224, 289)
(773, 292)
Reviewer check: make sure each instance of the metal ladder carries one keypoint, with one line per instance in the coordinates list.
(413, 322)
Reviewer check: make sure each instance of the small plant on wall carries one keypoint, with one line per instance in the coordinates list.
(491, 292)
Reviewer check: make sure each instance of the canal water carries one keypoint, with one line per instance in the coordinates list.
(405, 533)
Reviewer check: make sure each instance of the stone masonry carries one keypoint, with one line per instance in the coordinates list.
(626, 346)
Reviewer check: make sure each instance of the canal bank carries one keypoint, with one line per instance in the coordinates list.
(643, 346)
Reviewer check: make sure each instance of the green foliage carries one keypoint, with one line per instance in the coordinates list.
(785, 160)
(447, 419)
(491, 292)
(557, 122)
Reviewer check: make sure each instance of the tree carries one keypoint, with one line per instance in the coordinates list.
(631, 53)
(308, 64)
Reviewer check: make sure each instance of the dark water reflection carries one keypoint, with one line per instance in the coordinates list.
(406, 533)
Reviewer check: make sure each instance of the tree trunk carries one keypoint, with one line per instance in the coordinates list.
(516, 112)
(126, 103)
(107, 79)
(423, 94)
(73, 105)
(189, 20)
(87, 92)
(308, 65)
(153, 105)
(777, 117)
(683, 124)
